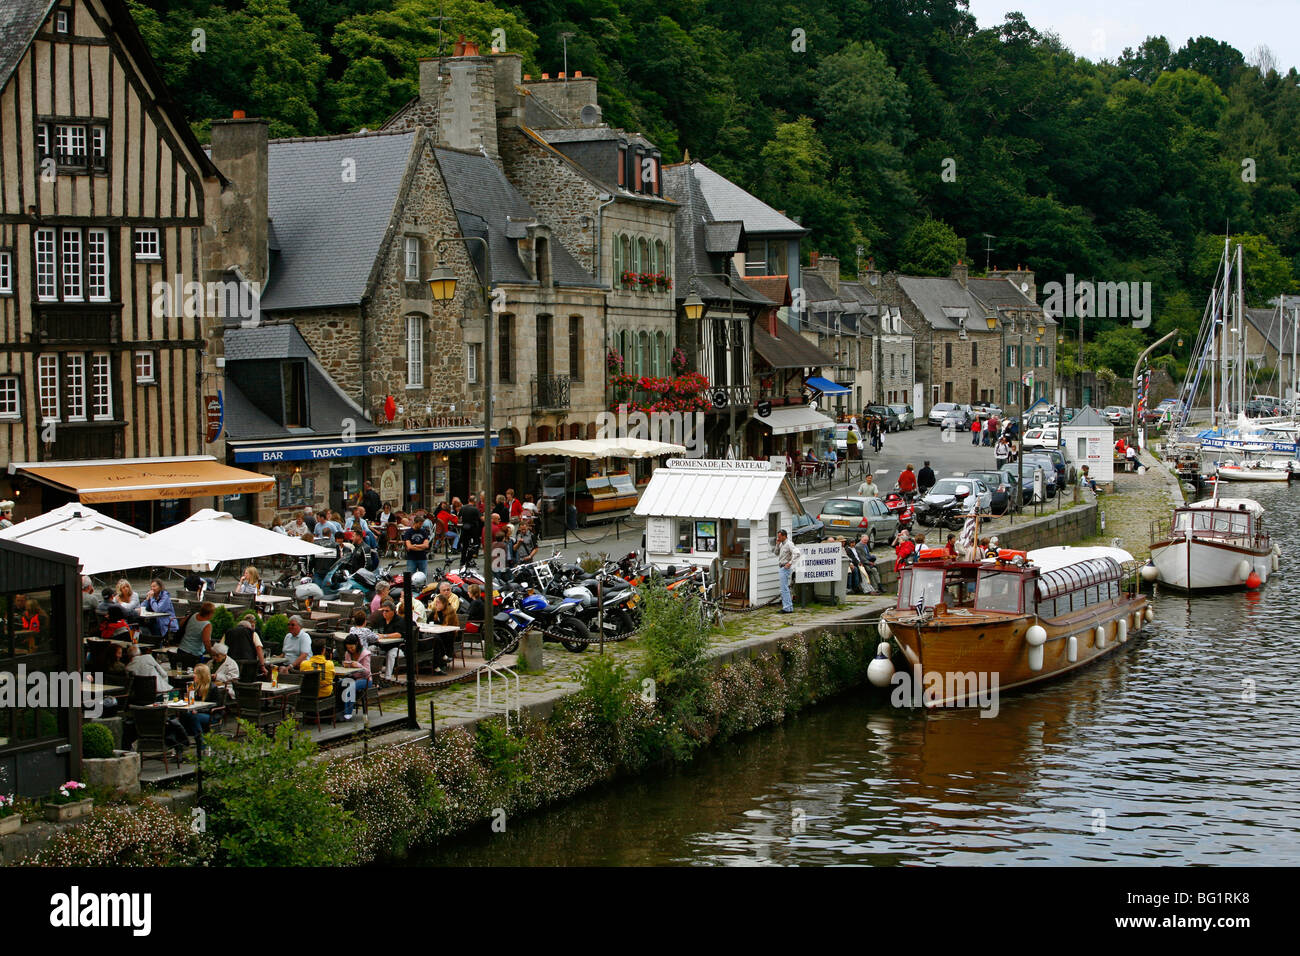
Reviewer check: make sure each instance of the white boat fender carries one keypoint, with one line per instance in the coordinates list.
(1121, 629)
(1072, 649)
(1274, 562)
(1243, 569)
(1036, 637)
(881, 670)
(1142, 469)
(1149, 572)
(1150, 615)
(882, 627)
(1100, 635)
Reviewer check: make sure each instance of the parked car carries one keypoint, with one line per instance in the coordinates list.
(1051, 479)
(842, 438)
(858, 514)
(1118, 415)
(945, 490)
(1002, 487)
(937, 412)
(1042, 437)
(887, 415)
(956, 418)
(986, 409)
(806, 528)
(905, 416)
(1257, 408)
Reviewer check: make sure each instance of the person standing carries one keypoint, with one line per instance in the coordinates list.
(868, 488)
(1002, 451)
(907, 482)
(786, 555)
(471, 531)
(924, 479)
(370, 499)
(196, 641)
(975, 432)
(416, 540)
(851, 442)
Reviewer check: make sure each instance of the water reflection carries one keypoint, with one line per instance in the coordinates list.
(1180, 747)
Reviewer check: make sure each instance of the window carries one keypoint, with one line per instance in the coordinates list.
(622, 165)
(661, 256)
(74, 371)
(62, 21)
(46, 287)
(10, 403)
(412, 258)
(974, 354)
(543, 345)
(70, 248)
(70, 144)
(42, 140)
(6, 272)
(471, 363)
(79, 146)
(1011, 356)
(625, 243)
(642, 256)
(144, 368)
(99, 147)
(1011, 393)
(147, 245)
(102, 387)
(414, 351)
(97, 265)
(293, 382)
(575, 347)
(47, 381)
(947, 355)
(642, 340)
(618, 261)
(505, 343)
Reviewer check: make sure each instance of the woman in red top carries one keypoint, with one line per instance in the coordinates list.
(903, 550)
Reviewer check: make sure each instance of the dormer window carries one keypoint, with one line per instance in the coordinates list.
(412, 250)
(622, 165)
(63, 20)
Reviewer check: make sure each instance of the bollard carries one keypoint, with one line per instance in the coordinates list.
(433, 723)
(530, 650)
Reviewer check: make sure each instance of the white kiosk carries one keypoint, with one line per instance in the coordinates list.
(699, 511)
(1090, 440)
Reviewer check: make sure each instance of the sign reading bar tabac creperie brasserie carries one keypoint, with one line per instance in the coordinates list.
(215, 417)
(724, 464)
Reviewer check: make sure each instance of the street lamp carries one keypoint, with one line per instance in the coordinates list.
(442, 284)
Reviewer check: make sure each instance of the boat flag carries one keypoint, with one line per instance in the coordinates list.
(920, 606)
(967, 537)
(1028, 379)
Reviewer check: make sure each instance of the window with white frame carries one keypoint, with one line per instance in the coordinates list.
(62, 21)
(414, 351)
(42, 140)
(471, 363)
(11, 408)
(46, 284)
(70, 144)
(74, 373)
(99, 147)
(412, 258)
(144, 368)
(47, 384)
(70, 259)
(101, 386)
(97, 265)
(148, 244)
(6, 272)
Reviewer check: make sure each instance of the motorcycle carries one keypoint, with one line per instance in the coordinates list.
(950, 514)
(555, 617)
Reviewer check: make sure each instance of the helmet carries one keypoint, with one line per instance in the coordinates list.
(417, 579)
(308, 590)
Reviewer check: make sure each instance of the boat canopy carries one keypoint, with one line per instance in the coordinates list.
(1075, 577)
(1231, 504)
(1049, 559)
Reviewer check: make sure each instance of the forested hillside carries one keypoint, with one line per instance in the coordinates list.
(875, 122)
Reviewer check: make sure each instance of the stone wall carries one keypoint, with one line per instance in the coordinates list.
(335, 335)
(562, 196)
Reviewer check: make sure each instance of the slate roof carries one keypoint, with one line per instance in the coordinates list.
(484, 201)
(19, 21)
(327, 404)
(1088, 417)
(723, 236)
(788, 349)
(729, 201)
(691, 255)
(932, 295)
(1268, 325)
(329, 232)
(1005, 293)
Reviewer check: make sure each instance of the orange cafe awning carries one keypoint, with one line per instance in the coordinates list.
(144, 479)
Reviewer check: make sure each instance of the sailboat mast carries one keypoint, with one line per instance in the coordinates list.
(1241, 338)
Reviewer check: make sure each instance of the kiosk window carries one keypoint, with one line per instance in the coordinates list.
(706, 536)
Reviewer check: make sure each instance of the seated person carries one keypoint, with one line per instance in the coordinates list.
(114, 625)
(359, 629)
(143, 664)
(318, 661)
(1085, 480)
(297, 646)
(474, 611)
(441, 613)
(224, 668)
(357, 653)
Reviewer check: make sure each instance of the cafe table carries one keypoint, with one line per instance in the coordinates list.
(271, 601)
(344, 670)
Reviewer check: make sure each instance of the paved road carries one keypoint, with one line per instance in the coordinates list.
(948, 454)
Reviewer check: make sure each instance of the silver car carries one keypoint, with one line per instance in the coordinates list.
(905, 416)
(856, 515)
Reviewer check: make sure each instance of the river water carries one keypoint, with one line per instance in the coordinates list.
(1181, 747)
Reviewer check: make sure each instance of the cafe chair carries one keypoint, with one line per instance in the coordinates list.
(219, 712)
(309, 704)
(243, 600)
(473, 639)
(458, 646)
(151, 733)
(142, 691)
(372, 690)
(253, 708)
(250, 672)
(394, 539)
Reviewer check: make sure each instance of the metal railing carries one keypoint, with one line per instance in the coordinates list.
(551, 391)
(498, 686)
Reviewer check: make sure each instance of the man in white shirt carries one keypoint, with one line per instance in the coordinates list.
(297, 645)
(868, 488)
(296, 528)
(143, 664)
(786, 555)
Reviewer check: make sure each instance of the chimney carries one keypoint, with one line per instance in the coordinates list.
(568, 97)
(239, 149)
(828, 267)
(812, 259)
(960, 272)
(461, 97)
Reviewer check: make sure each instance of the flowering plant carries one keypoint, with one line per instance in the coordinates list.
(631, 278)
(70, 792)
(679, 360)
(7, 806)
(614, 362)
(662, 281)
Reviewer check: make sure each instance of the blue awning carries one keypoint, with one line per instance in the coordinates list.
(826, 386)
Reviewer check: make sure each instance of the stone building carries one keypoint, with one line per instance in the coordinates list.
(974, 340)
(840, 317)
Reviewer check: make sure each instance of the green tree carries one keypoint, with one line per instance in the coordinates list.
(1267, 273)
(283, 65)
(930, 249)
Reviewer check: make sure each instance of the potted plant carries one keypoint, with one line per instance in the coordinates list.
(68, 802)
(630, 279)
(10, 818)
(105, 766)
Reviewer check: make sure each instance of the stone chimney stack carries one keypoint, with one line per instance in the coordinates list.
(567, 97)
(1022, 277)
(466, 98)
(240, 224)
(960, 273)
(828, 267)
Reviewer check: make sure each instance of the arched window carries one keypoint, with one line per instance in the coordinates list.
(618, 261)
(656, 366)
(628, 265)
(653, 250)
(625, 351)
(661, 256)
(642, 256)
(641, 354)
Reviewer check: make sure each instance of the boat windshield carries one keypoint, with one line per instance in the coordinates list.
(918, 583)
(1224, 522)
(998, 591)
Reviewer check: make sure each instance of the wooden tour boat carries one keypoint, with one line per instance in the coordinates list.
(1212, 544)
(1011, 621)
